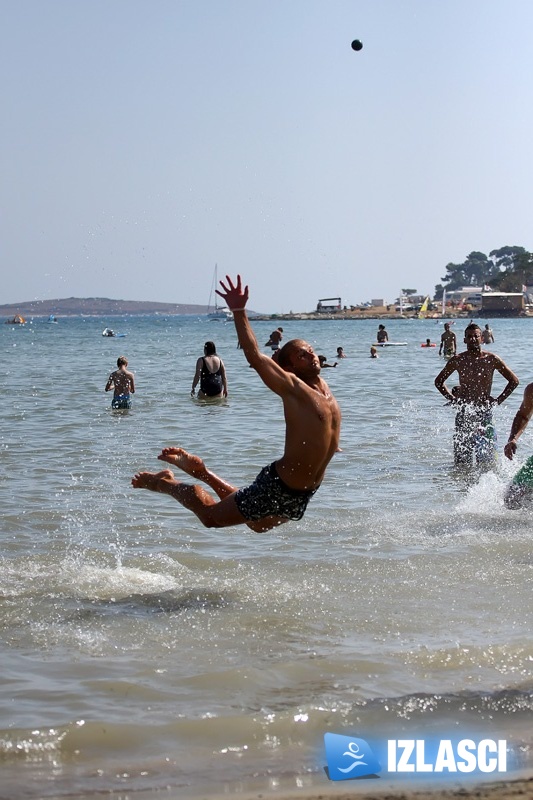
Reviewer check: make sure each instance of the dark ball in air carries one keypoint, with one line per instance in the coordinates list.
(357, 45)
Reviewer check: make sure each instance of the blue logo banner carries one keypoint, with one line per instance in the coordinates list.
(349, 757)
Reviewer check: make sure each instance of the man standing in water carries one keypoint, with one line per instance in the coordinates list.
(283, 489)
(475, 438)
(448, 342)
(274, 341)
(488, 336)
(123, 384)
(382, 335)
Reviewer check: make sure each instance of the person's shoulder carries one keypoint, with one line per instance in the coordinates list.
(492, 357)
(528, 394)
(464, 356)
(495, 360)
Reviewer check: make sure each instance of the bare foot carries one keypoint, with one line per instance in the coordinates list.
(155, 481)
(178, 457)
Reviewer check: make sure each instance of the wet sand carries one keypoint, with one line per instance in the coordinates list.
(520, 788)
(499, 790)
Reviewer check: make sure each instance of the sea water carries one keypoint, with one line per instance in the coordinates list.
(141, 651)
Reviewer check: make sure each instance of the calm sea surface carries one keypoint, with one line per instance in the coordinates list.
(140, 651)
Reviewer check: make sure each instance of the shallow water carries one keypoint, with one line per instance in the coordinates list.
(141, 651)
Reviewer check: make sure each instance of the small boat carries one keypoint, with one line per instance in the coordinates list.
(219, 313)
(16, 320)
(111, 332)
(52, 319)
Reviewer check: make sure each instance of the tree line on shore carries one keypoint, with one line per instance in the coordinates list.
(506, 269)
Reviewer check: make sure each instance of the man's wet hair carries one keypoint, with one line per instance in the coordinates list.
(122, 361)
(472, 327)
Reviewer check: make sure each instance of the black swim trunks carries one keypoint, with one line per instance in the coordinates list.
(121, 401)
(269, 496)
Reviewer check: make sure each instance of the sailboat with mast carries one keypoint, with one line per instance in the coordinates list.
(217, 313)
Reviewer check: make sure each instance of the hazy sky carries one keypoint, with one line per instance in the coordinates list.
(142, 141)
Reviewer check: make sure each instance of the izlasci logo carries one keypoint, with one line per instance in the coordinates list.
(349, 757)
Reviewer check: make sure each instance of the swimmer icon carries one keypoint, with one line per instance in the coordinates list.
(354, 751)
(349, 757)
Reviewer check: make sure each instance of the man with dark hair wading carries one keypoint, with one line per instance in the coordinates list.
(282, 489)
(448, 342)
(474, 440)
(123, 384)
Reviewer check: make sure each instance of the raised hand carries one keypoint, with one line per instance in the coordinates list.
(234, 295)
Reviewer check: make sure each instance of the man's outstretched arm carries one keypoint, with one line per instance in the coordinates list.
(236, 298)
(271, 373)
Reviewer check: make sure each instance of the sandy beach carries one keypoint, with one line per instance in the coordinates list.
(500, 790)
(521, 788)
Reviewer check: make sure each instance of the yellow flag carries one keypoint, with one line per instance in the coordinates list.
(423, 308)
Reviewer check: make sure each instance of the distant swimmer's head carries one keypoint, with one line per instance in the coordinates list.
(299, 358)
(122, 361)
(373, 352)
(210, 349)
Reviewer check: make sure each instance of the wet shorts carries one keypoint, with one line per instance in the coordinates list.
(121, 401)
(269, 496)
(524, 476)
(475, 435)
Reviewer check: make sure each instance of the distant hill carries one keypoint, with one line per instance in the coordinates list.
(95, 306)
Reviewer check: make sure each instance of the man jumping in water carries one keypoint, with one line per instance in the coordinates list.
(283, 489)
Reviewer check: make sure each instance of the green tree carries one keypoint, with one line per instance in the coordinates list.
(476, 270)
(516, 268)
(506, 268)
